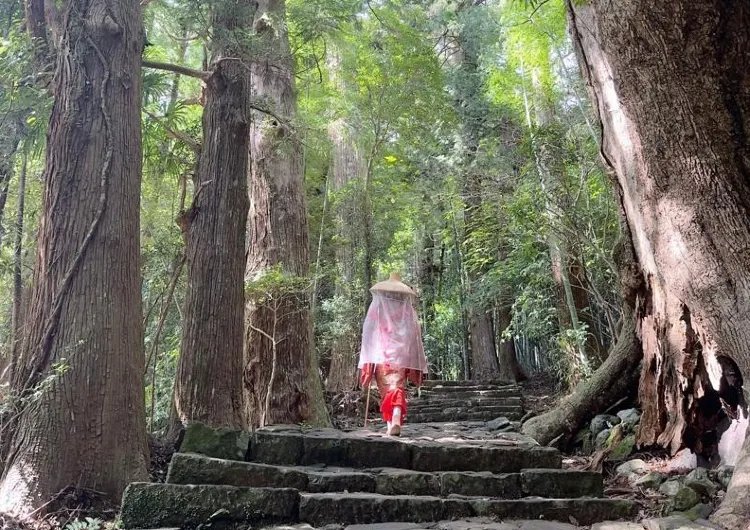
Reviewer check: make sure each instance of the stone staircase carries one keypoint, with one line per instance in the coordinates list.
(434, 472)
(441, 401)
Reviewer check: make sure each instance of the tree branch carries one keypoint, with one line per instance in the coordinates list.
(177, 69)
(177, 135)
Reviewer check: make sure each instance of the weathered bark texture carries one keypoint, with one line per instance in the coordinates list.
(671, 86)
(278, 236)
(17, 258)
(86, 427)
(510, 368)
(348, 166)
(208, 388)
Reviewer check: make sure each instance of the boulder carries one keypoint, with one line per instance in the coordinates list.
(671, 487)
(674, 522)
(699, 481)
(651, 480)
(682, 462)
(724, 475)
(228, 444)
(624, 448)
(629, 417)
(601, 422)
(699, 511)
(685, 498)
(617, 525)
(601, 439)
(632, 469)
(498, 423)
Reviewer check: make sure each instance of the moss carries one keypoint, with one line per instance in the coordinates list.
(229, 444)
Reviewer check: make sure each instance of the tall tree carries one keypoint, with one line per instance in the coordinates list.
(79, 378)
(672, 90)
(348, 165)
(278, 339)
(473, 109)
(208, 388)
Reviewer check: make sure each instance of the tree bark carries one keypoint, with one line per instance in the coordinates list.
(83, 350)
(278, 236)
(348, 165)
(510, 368)
(671, 86)
(208, 387)
(17, 262)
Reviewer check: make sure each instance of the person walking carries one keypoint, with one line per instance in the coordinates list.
(392, 352)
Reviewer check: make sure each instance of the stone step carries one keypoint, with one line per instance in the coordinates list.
(555, 483)
(440, 417)
(475, 400)
(460, 393)
(289, 445)
(430, 383)
(146, 505)
(177, 505)
(320, 509)
(455, 409)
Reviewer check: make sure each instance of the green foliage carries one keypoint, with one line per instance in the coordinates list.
(434, 96)
(89, 523)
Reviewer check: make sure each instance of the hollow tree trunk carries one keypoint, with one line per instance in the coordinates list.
(278, 236)
(671, 86)
(208, 387)
(86, 425)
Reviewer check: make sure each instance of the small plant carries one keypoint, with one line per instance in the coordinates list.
(89, 523)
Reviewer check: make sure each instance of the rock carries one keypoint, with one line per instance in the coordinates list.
(616, 525)
(698, 474)
(698, 480)
(632, 469)
(623, 449)
(724, 475)
(601, 422)
(229, 444)
(651, 480)
(384, 526)
(682, 462)
(699, 511)
(164, 505)
(601, 439)
(498, 423)
(474, 524)
(629, 417)
(671, 487)
(546, 525)
(674, 522)
(685, 498)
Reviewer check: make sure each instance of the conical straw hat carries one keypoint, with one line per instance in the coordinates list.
(393, 285)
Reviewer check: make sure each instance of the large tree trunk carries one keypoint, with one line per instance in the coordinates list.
(671, 86)
(85, 427)
(278, 236)
(208, 388)
(510, 368)
(348, 165)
